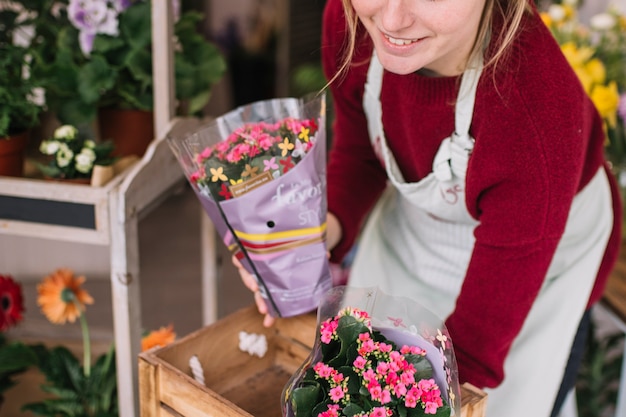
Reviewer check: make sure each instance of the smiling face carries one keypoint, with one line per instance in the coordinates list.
(412, 35)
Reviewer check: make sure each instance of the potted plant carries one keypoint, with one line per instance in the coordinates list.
(21, 98)
(97, 55)
(73, 156)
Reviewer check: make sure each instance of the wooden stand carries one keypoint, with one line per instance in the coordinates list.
(236, 383)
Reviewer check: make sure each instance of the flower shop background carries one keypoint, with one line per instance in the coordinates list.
(251, 33)
(169, 236)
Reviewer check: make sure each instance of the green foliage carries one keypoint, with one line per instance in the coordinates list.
(118, 72)
(19, 110)
(75, 394)
(15, 358)
(311, 396)
(598, 379)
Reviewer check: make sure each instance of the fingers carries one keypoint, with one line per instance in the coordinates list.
(251, 283)
(248, 279)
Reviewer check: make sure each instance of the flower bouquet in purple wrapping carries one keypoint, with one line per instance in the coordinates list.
(259, 172)
(375, 355)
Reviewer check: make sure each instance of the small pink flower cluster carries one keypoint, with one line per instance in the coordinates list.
(384, 372)
(252, 150)
(253, 139)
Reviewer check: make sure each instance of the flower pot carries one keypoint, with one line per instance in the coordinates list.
(131, 131)
(12, 151)
(80, 181)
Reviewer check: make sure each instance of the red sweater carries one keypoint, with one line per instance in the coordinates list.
(539, 140)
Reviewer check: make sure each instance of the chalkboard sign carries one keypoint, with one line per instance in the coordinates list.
(59, 213)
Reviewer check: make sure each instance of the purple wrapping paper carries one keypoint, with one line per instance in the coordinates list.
(281, 225)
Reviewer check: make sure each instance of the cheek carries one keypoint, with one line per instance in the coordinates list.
(364, 8)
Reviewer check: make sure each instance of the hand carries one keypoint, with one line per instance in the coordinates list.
(250, 282)
(333, 236)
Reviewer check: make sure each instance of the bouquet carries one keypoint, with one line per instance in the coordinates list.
(252, 155)
(375, 356)
(259, 172)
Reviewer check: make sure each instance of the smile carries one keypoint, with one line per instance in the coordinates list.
(400, 42)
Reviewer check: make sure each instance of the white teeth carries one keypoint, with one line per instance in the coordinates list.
(399, 41)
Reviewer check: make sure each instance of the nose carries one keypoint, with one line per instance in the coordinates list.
(396, 16)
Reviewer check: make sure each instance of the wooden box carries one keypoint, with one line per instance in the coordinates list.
(237, 383)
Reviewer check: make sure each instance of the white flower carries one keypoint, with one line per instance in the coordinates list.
(603, 22)
(64, 155)
(49, 147)
(89, 144)
(556, 12)
(37, 96)
(67, 132)
(84, 160)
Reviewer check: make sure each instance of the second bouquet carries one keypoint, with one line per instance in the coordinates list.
(259, 172)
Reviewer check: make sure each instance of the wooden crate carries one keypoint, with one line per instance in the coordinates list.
(237, 384)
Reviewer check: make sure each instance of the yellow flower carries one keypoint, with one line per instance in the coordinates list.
(61, 297)
(235, 182)
(596, 70)
(218, 174)
(161, 337)
(304, 133)
(286, 146)
(546, 18)
(606, 100)
(576, 56)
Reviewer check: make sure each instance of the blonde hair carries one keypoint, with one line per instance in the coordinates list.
(512, 12)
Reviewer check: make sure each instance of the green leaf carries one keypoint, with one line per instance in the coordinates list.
(16, 356)
(303, 399)
(135, 25)
(94, 78)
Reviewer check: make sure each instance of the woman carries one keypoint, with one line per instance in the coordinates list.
(466, 141)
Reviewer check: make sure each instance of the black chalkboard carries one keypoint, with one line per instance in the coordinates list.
(59, 213)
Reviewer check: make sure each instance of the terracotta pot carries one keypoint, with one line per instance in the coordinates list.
(12, 151)
(82, 181)
(131, 131)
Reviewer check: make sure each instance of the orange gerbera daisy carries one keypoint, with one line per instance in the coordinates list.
(61, 297)
(162, 337)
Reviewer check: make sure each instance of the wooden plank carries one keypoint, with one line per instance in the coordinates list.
(473, 401)
(149, 404)
(80, 213)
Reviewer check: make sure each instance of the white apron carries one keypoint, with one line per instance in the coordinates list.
(419, 239)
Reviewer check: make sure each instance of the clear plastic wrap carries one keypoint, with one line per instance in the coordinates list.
(324, 385)
(275, 220)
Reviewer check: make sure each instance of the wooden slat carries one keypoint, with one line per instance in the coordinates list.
(473, 401)
(149, 403)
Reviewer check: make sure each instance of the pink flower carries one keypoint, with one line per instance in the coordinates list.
(379, 412)
(336, 394)
(337, 377)
(333, 411)
(430, 408)
(360, 362)
(323, 370)
(382, 368)
(385, 396)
